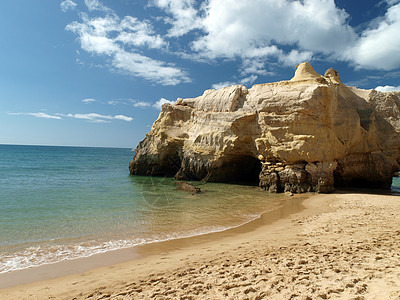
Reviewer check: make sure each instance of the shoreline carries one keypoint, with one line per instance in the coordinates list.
(114, 257)
(117, 256)
(340, 245)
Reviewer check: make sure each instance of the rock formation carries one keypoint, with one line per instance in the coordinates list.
(311, 133)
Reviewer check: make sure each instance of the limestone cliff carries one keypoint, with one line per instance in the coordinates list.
(310, 133)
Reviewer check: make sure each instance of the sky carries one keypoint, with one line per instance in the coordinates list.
(95, 73)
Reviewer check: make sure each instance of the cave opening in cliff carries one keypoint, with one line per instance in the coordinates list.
(241, 170)
(347, 182)
(360, 182)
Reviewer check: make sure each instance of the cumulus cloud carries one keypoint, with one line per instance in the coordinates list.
(284, 32)
(37, 115)
(258, 32)
(139, 33)
(121, 41)
(378, 47)
(387, 88)
(294, 57)
(184, 16)
(235, 28)
(162, 101)
(89, 100)
(67, 5)
(93, 34)
(263, 31)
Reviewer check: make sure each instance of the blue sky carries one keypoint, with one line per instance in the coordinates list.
(94, 73)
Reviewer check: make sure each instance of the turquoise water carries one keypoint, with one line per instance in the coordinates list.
(60, 203)
(396, 185)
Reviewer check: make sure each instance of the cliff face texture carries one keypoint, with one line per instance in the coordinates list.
(310, 133)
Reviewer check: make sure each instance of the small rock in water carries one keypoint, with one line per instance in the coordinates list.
(187, 187)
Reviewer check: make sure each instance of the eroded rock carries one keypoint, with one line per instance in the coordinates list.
(311, 133)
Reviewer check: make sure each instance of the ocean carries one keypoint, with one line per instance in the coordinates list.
(62, 203)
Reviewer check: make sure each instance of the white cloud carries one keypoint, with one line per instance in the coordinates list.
(135, 103)
(120, 39)
(67, 5)
(220, 85)
(253, 66)
(92, 117)
(89, 100)
(141, 104)
(294, 57)
(43, 115)
(37, 115)
(259, 32)
(133, 32)
(387, 88)
(162, 101)
(234, 28)
(378, 48)
(93, 33)
(96, 5)
(138, 65)
(184, 16)
(97, 118)
(249, 80)
(252, 33)
(392, 2)
(123, 118)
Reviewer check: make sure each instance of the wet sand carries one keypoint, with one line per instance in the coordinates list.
(343, 246)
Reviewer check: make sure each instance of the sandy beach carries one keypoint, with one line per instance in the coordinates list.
(336, 246)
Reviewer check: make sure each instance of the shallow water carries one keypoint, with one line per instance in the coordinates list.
(60, 203)
(396, 185)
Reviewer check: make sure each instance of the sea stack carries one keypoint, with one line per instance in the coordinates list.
(309, 134)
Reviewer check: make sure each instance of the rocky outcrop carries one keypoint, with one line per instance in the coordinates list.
(310, 133)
